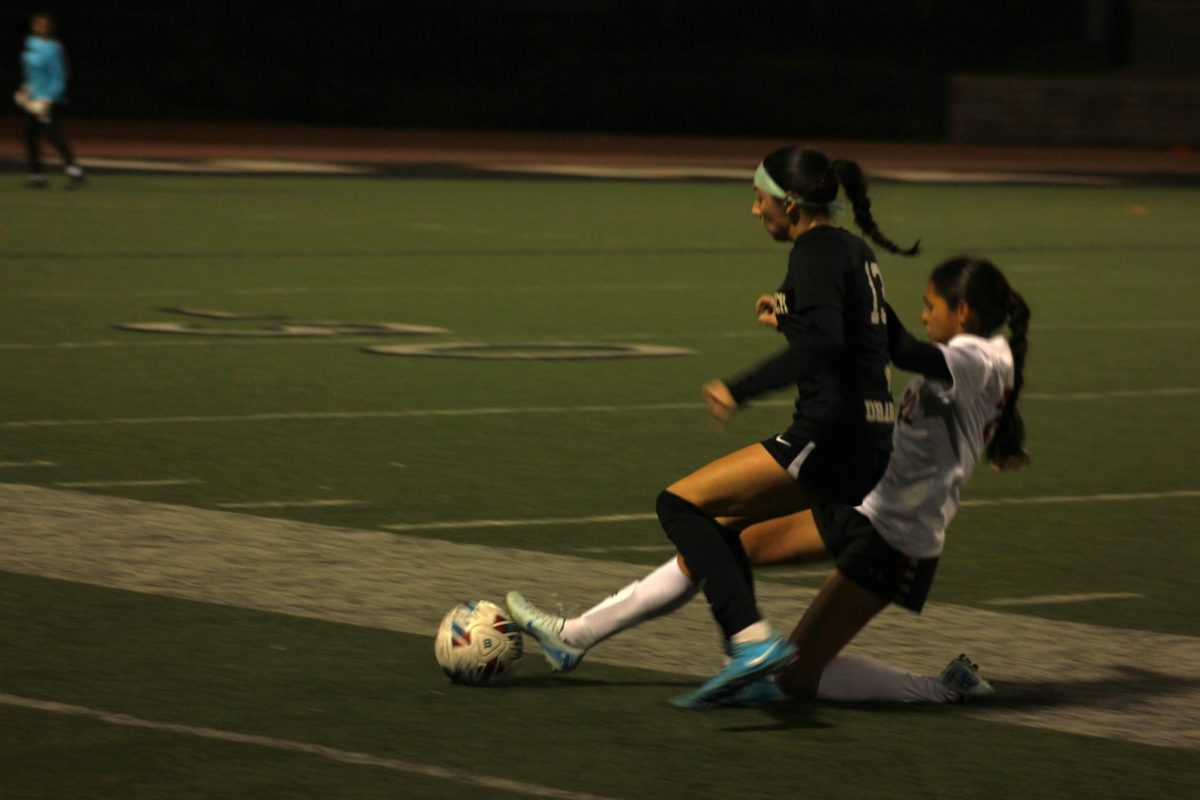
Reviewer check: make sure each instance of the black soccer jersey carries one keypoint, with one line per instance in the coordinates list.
(831, 310)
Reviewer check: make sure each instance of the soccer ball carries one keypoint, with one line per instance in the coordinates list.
(477, 644)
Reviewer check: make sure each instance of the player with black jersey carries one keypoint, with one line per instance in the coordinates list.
(830, 310)
(960, 409)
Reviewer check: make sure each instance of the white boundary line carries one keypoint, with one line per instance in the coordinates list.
(20, 464)
(1055, 599)
(1174, 391)
(330, 503)
(104, 484)
(603, 518)
(321, 751)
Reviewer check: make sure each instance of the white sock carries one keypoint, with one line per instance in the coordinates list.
(661, 592)
(856, 679)
(74, 170)
(758, 632)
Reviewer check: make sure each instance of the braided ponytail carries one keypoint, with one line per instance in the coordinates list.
(855, 184)
(1007, 445)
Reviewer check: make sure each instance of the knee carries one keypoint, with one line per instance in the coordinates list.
(673, 510)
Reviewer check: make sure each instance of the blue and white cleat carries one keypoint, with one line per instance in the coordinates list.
(749, 661)
(547, 629)
(762, 692)
(962, 677)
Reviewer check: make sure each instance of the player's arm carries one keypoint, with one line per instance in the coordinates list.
(817, 339)
(911, 354)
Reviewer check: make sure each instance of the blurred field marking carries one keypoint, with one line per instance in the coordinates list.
(1054, 599)
(1084, 498)
(329, 503)
(627, 548)
(21, 464)
(321, 751)
(227, 165)
(517, 523)
(104, 484)
(1095, 680)
(604, 518)
(1179, 391)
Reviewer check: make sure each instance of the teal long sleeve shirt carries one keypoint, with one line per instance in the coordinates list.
(45, 66)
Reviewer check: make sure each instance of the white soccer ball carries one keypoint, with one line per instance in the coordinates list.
(477, 644)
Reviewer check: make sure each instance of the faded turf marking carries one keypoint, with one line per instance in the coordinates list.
(107, 484)
(486, 411)
(1094, 680)
(22, 464)
(328, 503)
(1053, 599)
(464, 524)
(518, 523)
(321, 751)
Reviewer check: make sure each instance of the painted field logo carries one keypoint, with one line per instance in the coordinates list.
(528, 351)
(281, 326)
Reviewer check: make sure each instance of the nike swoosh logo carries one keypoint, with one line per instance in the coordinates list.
(754, 662)
(782, 440)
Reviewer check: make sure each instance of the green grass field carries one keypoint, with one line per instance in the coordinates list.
(334, 436)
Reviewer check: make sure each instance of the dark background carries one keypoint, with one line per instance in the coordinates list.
(853, 68)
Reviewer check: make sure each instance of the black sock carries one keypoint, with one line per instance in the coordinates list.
(715, 558)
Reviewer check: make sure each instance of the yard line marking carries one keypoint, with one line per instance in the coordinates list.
(1053, 599)
(330, 503)
(1083, 498)
(1179, 391)
(321, 751)
(996, 501)
(405, 583)
(16, 464)
(627, 548)
(103, 484)
(517, 523)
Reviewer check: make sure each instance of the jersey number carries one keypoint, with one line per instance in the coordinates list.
(875, 282)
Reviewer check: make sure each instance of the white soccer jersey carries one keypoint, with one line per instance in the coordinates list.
(938, 441)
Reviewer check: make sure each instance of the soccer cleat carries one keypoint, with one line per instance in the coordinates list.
(761, 692)
(74, 177)
(749, 661)
(547, 629)
(36, 181)
(962, 677)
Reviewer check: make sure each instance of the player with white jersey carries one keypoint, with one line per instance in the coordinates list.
(960, 407)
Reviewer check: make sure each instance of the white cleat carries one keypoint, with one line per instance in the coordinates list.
(547, 629)
(962, 677)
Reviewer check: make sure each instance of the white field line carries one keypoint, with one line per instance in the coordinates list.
(1054, 599)
(20, 464)
(518, 523)
(996, 501)
(104, 484)
(327, 503)
(1177, 391)
(406, 583)
(1084, 498)
(320, 751)
(1118, 683)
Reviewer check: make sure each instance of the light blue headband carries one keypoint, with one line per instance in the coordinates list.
(764, 181)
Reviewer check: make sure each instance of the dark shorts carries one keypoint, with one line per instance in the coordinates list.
(864, 557)
(838, 474)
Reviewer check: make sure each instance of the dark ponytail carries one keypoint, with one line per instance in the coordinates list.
(812, 181)
(1008, 442)
(993, 302)
(855, 184)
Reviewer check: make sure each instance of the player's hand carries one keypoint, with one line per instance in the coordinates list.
(765, 309)
(719, 401)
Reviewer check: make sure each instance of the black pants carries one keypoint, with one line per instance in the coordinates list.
(35, 129)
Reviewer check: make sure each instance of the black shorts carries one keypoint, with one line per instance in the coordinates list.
(864, 557)
(838, 474)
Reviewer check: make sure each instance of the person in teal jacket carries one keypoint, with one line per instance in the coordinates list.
(44, 63)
